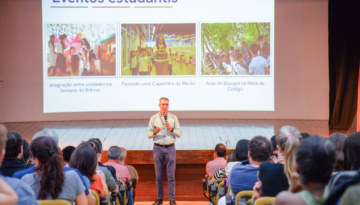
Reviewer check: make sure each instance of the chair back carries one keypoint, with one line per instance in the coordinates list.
(54, 202)
(264, 200)
(97, 198)
(241, 194)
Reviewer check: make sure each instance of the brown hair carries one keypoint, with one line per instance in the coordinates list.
(51, 166)
(288, 138)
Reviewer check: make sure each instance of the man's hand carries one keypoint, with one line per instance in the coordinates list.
(157, 130)
(168, 126)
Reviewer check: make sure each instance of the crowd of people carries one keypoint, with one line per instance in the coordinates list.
(42, 171)
(66, 61)
(247, 60)
(293, 167)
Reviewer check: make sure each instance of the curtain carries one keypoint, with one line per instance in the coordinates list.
(344, 57)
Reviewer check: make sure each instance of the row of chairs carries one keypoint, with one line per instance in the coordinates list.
(120, 198)
(213, 192)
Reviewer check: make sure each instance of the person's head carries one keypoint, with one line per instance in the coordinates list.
(222, 49)
(92, 58)
(47, 133)
(114, 153)
(122, 155)
(220, 150)
(223, 57)
(266, 49)
(143, 52)
(304, 135)
(273, 143)
(259, 149)
(243, 44)
(338, 140)
(231, 157)
(14, 148)
(49, 163)
(63, 38)
(232, 48)
(260, 39)
(160, 41)
(254, 48)
(84, 159)
(164, 105)
(75, 64)
(288, 140)
(85, 42)
(241, 150)
(97, 145)
(52, 39)
(217, 57)
(72, 49)
(239, 57)
(315, 160)
(26, 152)
(132, 54)
(3, 132)
(67, 152)
(351, 151)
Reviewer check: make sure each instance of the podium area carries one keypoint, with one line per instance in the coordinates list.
(194, 148)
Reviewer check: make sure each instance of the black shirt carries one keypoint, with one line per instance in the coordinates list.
(273, 178)
(11, 165)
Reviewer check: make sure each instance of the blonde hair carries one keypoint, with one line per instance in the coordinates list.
(289, 138)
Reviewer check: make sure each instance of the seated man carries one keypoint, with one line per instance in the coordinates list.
(14, 150)
(24, 192)
(133, 173)
(67, 151)
(315, 159)
(243, 177)
(114, 159)
(219, 161)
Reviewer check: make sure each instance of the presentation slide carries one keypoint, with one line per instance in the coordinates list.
(123, 55)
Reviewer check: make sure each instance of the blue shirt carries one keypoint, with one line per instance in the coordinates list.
(242, 177)
(164, 137)
(30, 170)
(26, 195)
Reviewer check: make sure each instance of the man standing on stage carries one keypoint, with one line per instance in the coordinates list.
(163, 128)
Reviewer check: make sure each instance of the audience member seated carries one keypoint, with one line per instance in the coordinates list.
(338, 139)
(351, 196)
(352, 151)
(50, 181)
(110, 180)
(243, 177)
(14, 150)
(54, 136)
(25, 195)
(67, 151)
(26, 156)
(97, 145)
(224, 173)
(218, 162)
(84, 159)
(7, 194)
(114, 159)
(315, 159)
(288, 139)
(133, 173)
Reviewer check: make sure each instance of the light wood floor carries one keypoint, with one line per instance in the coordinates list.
(202, 134)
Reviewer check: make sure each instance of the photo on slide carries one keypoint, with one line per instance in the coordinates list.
(158, 49)
(235, 48)
(80, 50)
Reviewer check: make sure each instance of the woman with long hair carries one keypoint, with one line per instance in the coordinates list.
(288, 140)
(50, 181)
(84, 159)
(61, 55)
(51, 45)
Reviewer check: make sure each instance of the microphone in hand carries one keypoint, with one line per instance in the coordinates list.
(165, 117)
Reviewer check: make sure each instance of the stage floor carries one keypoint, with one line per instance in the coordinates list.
(197, 134)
